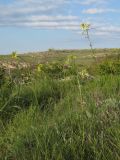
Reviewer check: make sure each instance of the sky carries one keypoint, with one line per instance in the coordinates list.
(37, 25)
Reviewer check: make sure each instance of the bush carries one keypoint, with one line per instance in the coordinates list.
(109, 67)
(54, 69)
(105, 66)
(58, 69)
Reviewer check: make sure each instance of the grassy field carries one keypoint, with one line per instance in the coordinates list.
(83, 56)
(60, 105)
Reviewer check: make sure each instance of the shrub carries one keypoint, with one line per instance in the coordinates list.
(54, 69)
(58, 69)
(109, 67)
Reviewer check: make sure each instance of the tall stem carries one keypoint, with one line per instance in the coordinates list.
(90, 44)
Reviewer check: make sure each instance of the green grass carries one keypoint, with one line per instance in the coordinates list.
(60, 117)
(83, 56)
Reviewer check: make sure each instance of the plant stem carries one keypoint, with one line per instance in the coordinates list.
(90, 44)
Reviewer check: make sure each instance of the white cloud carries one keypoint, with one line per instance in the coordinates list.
(52, 18)
(99, 11)
(50, 14)
(38, 14)
(90, 2)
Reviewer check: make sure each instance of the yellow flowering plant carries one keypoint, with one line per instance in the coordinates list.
(85, 27)
(39, 67)
(72, 57)
(69, 59)
(14, 55)
(84, 73)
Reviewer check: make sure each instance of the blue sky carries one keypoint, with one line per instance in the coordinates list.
(37, 25)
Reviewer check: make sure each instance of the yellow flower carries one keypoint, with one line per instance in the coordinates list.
(84, 73)
(39, 67)
(85, 26)
(14, 55)
(67, 61)
(72, 57)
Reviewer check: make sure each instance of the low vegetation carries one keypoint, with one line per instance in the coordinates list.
(61, 109)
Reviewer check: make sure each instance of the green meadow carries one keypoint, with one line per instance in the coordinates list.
(60, 105)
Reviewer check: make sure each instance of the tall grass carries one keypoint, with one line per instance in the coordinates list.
(68, 117)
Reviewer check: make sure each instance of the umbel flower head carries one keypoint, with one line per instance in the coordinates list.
(84, 73)
(39, 67)
(85, 26)
(14, 55)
